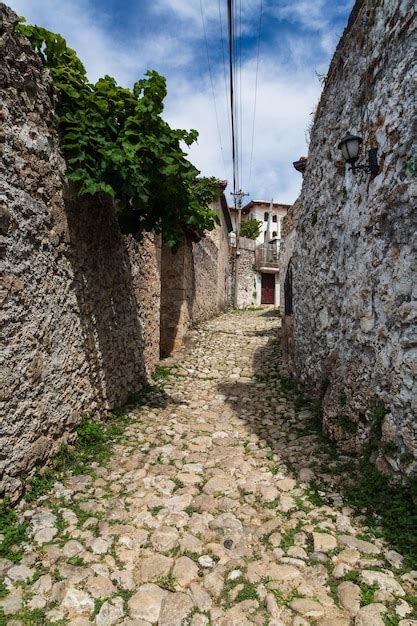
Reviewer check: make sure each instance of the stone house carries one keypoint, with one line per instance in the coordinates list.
(349, 252)
(264, 267)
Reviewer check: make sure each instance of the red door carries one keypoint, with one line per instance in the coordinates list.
(268, 289)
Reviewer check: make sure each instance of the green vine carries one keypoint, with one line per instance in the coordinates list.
(115, 142)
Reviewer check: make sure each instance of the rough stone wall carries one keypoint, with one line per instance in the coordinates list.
(352, 333)
(175, 315)
(80, 302)
(194, 284)
(246, 273)
(289, 234)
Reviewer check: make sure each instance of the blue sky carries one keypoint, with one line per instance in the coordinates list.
(124, 38)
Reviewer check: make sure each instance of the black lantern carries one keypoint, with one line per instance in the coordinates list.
(350, 147)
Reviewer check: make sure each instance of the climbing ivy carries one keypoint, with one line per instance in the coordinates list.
(115, 142)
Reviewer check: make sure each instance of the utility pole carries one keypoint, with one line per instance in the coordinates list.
(238, 196)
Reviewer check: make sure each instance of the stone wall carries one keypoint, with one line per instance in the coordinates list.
(351, 334)
(246, 273)
(80, 302)
(194, 283)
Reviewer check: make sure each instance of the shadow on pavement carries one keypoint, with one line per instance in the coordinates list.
(283, 417)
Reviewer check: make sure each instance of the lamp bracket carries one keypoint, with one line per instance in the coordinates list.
(372, 166)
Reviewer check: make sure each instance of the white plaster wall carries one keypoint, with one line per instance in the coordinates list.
(258, 214)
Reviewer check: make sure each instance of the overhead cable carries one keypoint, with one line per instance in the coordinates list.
(224, 71)
(212, 84)
(230, 22)
(256, 92)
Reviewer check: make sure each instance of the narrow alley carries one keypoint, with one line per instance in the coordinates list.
(208, 510)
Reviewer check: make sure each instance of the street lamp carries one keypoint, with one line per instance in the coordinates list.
(350, 147)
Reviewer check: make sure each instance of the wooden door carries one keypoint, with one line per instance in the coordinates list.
(268, 289)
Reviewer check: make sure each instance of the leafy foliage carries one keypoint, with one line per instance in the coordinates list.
(115, 142)
(250, 228)
(13, 533)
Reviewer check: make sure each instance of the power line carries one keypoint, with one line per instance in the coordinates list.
(235, 79)
(240, 91)
(237, 91)
(211, 81)
(230, 20)
(256, 92)
(236, 94)
(224, 71)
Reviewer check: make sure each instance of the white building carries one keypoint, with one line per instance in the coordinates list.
(270, 214)
(266, 276)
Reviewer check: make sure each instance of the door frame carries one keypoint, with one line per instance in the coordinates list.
(268, 288)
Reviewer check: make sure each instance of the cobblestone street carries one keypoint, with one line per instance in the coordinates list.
(208, 511)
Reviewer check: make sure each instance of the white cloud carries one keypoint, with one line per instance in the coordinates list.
(102, 50)
(317, 15)
(186, 10)
(190, 11)
(288, 89)
(309, 14)
(285, 102)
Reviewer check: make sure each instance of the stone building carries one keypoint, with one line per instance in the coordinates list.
(258, 260)
(348, 258)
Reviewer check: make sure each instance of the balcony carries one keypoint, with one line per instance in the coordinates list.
(266, 257)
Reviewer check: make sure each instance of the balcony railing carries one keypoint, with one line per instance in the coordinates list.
(267, 256)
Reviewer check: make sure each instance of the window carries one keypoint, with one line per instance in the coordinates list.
(274, 233)
(266, 216)
(274, 218)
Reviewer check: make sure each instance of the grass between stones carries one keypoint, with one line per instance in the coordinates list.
(31, 618)
(12, 532)
(248, 592)
(124, 594)
(389, 508)
(284, 599)
(91, 445)
(3, 590)
(390, 619)
(76, 560)
(168, 582)
(245, 310)
(161, 373)
(94, 444)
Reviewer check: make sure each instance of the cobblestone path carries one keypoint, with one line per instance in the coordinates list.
(197, 518)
